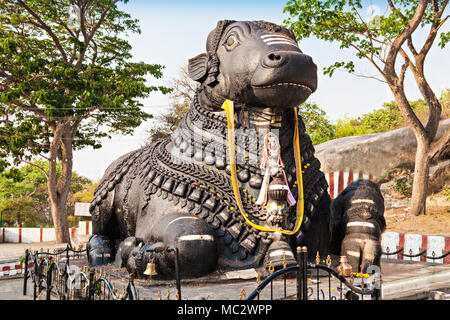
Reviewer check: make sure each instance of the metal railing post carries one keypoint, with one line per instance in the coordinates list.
(36, 275)
(91, 284)
(25, 275)
(66, 280)
(177, 264)
(300, 270)
(67, 254)
(131, 289)
(177, 269)
(49, 279)
(305, 272)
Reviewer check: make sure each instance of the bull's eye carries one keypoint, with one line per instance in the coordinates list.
(231, 42)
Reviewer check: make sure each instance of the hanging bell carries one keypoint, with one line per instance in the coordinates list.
(151, 269)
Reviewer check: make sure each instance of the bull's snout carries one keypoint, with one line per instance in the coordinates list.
(279, 58)
(286, 67)
(288, 74)
(274, 59)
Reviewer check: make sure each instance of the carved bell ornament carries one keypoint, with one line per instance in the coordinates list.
(273, 165)
(344, 269)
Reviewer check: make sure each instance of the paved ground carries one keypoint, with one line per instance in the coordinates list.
(13, 250)
(13, 290)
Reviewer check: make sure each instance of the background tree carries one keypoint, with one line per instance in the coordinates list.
(24, 195)
(66, 81)
(387, 43)
(318, 126)
(168, 121)
(180, 99)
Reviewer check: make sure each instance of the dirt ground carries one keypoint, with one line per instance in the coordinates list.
(436, 221)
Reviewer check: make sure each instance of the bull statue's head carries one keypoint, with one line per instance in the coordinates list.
(254, 63)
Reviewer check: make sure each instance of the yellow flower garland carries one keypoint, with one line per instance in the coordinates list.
(228, 106)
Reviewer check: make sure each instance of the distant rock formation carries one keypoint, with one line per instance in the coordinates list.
(374, 153)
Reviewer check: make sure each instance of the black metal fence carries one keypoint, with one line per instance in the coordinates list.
(347, 288)
(53, 274)
(422, 253)
(58, 275)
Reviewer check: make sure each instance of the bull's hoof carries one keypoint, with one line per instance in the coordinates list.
(124, 251)
(279, 255)
(99, 250)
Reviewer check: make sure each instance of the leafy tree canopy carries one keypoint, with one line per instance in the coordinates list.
(345, 22)
(67, 62)
(67, 80)
(318, 127)
(24, 195)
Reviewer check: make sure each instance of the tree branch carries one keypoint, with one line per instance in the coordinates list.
(403, 36)
(92, 33)
(430, 39)
(47, 29)
(368, 77)
(405, 57)
(34, 109)
(411, 46)
(36, 166)
(405, 67)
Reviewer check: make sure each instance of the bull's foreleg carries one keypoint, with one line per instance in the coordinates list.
(193, 237)
(357, 224)
(101, 246)
(99, 250)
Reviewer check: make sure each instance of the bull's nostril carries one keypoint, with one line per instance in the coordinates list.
(274, 57)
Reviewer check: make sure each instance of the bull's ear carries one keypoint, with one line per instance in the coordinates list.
(198, 67)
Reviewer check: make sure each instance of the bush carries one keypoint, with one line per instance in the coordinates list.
(318, 127)
(386, 118)
(447, 194)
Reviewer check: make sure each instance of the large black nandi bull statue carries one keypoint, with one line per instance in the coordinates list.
(218, 200)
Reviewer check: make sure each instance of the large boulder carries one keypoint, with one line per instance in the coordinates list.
(373, 153)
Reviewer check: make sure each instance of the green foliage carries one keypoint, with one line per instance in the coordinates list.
(445, 103)
(66, 82)
(84, 192)
(444, 39)
(24, 195)
(447, 193)
(342, 21)
(403, 186)
(318, 127)
(347, 127)
(386, 118)
(59, 71)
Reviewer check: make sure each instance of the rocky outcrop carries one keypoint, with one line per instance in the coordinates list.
(373, 153)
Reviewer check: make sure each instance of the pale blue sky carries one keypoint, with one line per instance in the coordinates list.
(173, 32)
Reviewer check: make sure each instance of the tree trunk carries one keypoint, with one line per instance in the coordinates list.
(59, 214)
(421, 171)
(59, 185)
(422, 159)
